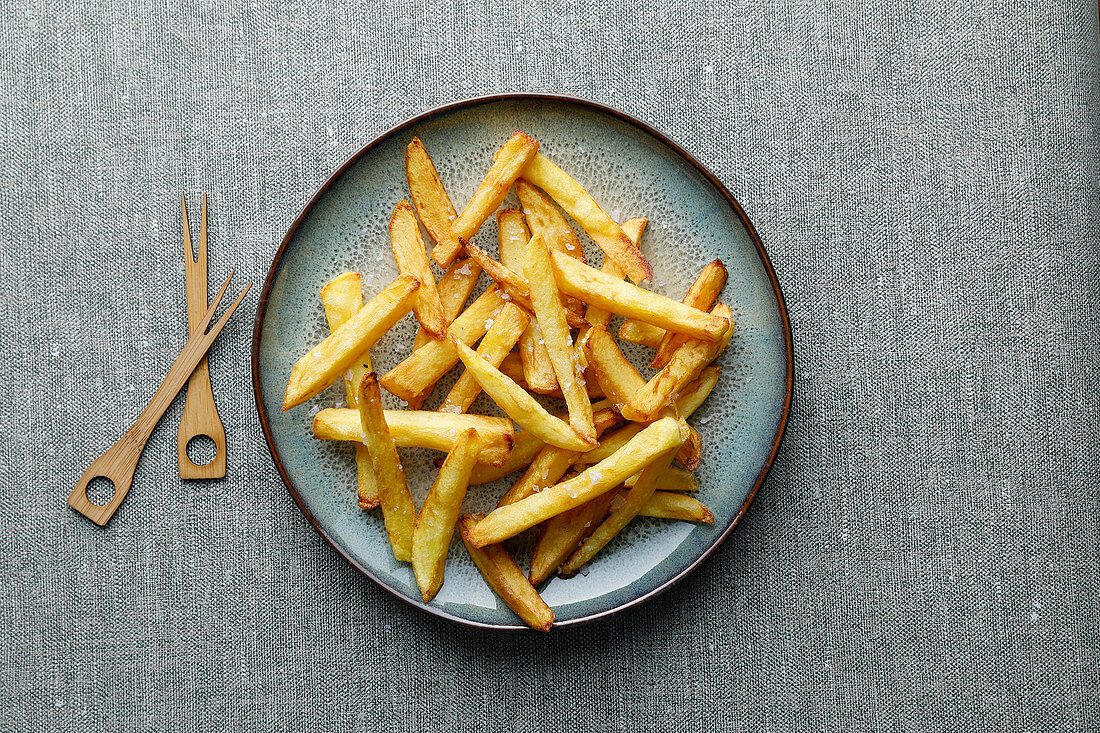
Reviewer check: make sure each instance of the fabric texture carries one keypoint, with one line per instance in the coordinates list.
(924, 554)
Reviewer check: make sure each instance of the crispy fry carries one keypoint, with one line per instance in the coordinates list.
(552, 462)
(672, 479)
(512, 236)
(420, 371)
(512, 158)
(423, 429)
(580, 205)
(542, 216)
(514, 284)
(617, 377)
(504, 576)
(436, 523)
(642, 333)
(342, 298)
(617, 296)
(561, 535)
(701, 296)
(454, 288)
(524, 450)
(661, 437)
(408, 250)
(517, 404)
(686, 364)
(328, 360)
(499, 340)
(620, 516)
(595, 315)
(670, 505)
(555, 330)
(428, 194)
(511, 366)
(398, 511)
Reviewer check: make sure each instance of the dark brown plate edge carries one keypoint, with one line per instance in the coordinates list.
(261, 308)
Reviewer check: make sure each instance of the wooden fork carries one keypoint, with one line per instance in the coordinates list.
(120, 461)
(200, 414)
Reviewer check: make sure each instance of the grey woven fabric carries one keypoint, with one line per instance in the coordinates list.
(924, 555)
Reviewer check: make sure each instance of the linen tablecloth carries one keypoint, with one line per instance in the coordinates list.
(924, 554)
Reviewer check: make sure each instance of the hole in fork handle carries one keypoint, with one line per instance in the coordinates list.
(99, 491)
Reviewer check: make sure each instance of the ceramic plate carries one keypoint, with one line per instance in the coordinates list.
(632, 170)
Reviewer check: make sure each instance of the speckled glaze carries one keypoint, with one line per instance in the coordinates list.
(631, 170)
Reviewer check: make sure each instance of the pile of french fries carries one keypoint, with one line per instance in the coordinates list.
(543, 330)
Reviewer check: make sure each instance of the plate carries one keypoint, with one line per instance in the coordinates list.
(632, 170)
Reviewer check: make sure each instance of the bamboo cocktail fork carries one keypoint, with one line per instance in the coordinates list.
(200, 414)
(120, 461)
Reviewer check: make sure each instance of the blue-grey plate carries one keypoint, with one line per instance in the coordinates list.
(632, 170)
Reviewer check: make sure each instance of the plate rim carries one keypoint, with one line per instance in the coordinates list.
(261, 311)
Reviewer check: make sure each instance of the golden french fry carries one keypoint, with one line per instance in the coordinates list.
(701, 296)
(512, 158)
(550, 314)
(455, 288)
(436, 523)
(328, 360)
(423, 429)
(511, 366)
(620, 516)
(674, 478)
(552, 462)
(686, 364)
(524, 410)
(617, 296)
(412, 259)
(595, 315)
(524, 449)
(670, 505)
(420, 371)
(428, 194)
(342, 298)
(580, 205)
(561, 535)
(642, 333)
(617, 377)
(507, 580)
(542, 216)
(398, 511)
(502, 335)
(654, 440)
(512, 236)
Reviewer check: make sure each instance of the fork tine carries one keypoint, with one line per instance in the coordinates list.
(201, 328)
(202, 232)
(217, 327)
(187, 248)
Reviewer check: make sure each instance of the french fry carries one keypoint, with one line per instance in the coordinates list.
(423, 429)
(524, 410)
(580, 205)
(674, 478)
(514, 284)
(595, 315)
(398, 511)
(701, 295)
(436, 523)
(550, 314)
(661, 437)
(512, 238)
(552, 462)
(512, 367)
(642, 333)
(498, 342)
(542, 216)
(506, 579)
(617, 296)
(412, 259)
(620, 516)
(686, 364)
(524, 450)
(455, 288)
(421, 370)
(328, 360)
(561, 535)
(342, 298)
(512, 158)
(670, 505)
(428, 194)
